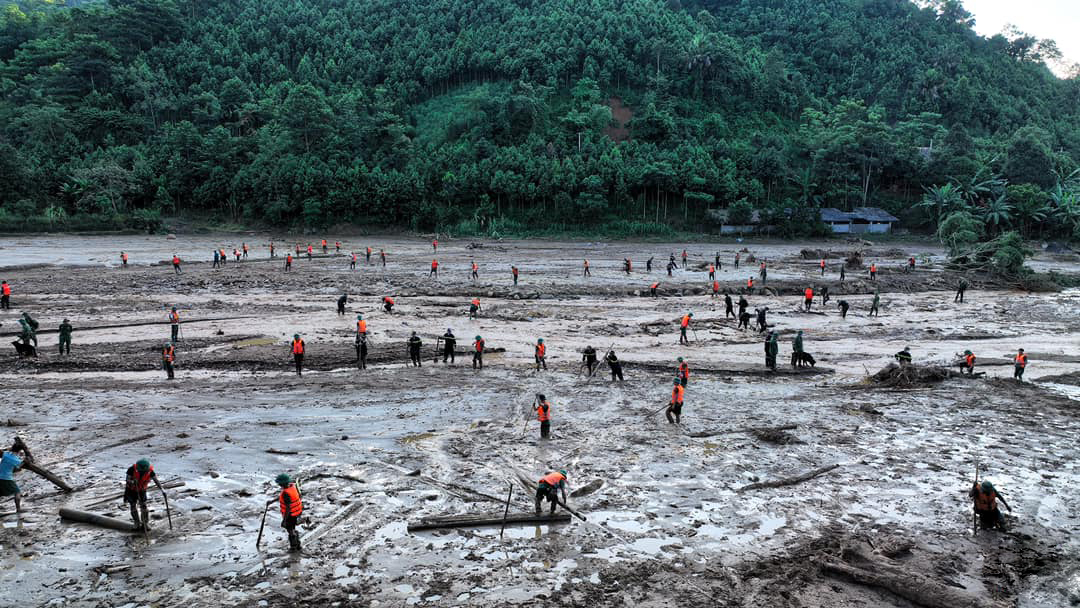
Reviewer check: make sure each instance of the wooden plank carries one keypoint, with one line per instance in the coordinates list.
(480, 521)
(97, 520)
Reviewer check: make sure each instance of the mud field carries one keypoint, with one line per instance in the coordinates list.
(671, 521)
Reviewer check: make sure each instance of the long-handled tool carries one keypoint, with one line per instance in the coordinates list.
(168, 513)
(262, 525)
(974, 510)
(527, 417)
(695, 334)
(436, 358)
(662, 408)
(569, 510)
(506, 511)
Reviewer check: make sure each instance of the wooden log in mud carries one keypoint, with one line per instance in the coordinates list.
(97, 520)
(479, 521)
(33, 468)
(135, 324)
(788, 481)
(745, 429)
(911, 586)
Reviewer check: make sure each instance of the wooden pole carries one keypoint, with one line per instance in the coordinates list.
(97, 520)
(33, 468)
(571, 511)
(261, 526)
(168, 513)
(506, 511)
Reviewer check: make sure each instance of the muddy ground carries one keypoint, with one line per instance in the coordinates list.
(668, 524)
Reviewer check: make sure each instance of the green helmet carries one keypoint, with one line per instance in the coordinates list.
(562, 472)
(689, 314)
(296, 336)
(359, 317)
(680, 359)
(477, 337)
(143, 465)
(967, 352)
(539, 340)
(283, 479)
(987, 486)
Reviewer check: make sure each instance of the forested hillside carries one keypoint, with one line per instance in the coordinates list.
(489, 116)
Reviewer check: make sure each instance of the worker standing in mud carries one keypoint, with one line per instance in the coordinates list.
(648, 264)
(174, 322)
(514, 273)
(123, 259)
(614, 365)
(541, 354)
(744, 321)
(969, 363)
(842, 273)
(11, 462)
(762, 325)
(729, 310)
(808, 298)
(961, 287)
(65, 337)
(712, 272)
(911, 264)
(750, 285)
(772, 349)
(474, 308)
(478, 353)
(244, 248)
(985, 497)
(435, 245)
(382, 256)
(585, 273)
(715, 289)
(217, 259)
(272, 254)
(337, 247)
(543, 414)
(367, 255)
(136, 482)
(671, 266)
(588, 359)
(824, 295)
(168, 357)
(298, 354)
(904, 356)
(324, 248)
(843, 306)
(352, 261)
(674, 408)
(361, 351)
(414, 345)
(475, 272)
(873, 271)
(291, 507)
(449, 344)
(626, 265)
(341, 302)
(682, 372)
(822, 266)
(361, 327)
(684, 325)
(763, 272)
(176, 263)
(653, 288)
(1019, 365)
(5, 295)
(388, 304)
(32, 325)
(310, 250)
(548, 489)
(434, 269)
(743, 305)
(874, 310)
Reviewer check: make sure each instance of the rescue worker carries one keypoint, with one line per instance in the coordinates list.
(478, 353)
(123, 259)
(361, 350)
(224, 258)
(310, 250)
(474, 308)
(808, 298)
(614, 365)
(288, 262)
(449, 344)
(324, 248)
(435, 245)
(367, 255)
(744, 321)
(683, 326)
(626, 265)
(743, 305)
(671, 266)
(1019, 364)
(653, 288)
(361, 326)
(244, 248)
(961, 287)
(588, 359)
(26, 336)
(388, 304)
(712, 272)
(770, 354)
(341, 302)
(729, 309)
(985, 497)
(648, 264)
(291, 507)
(683, 372)
(797, 350)
(822, 266)
(541, 354)
(684, 258)
(843, 306)
(176, 263)
(298, 354)
(543, 414)
(11, 462)
(352, 261)
(65, 337)
(217, 259)
(842, 274)
(168, 357)
(824, 295)
(174, 322)
(969, 363)
(297, 249)
(434, 269)
(272, 254)
(32, 323)
(911, 264)
(514, 272)
(475, 272)
(136, 481)
(873, 272)
(586, 273)
(763, 272)
(382, 256)
(750, 285)
(337, 247)
(762, 324)
(736, 260)
(236, 253)
(874, 310)
(715, 289)
(548, 489)
(414, 344)
(716, 260)
(674, 409)
(904, 356)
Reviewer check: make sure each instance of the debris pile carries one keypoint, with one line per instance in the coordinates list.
(911, 375)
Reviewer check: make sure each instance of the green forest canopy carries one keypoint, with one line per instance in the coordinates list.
(483, 116)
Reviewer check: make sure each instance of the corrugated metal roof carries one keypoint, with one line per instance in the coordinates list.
(832, 214)
(866, 214)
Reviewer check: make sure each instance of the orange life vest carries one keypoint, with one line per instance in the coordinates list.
(749, 282)
(474, 266)
(288, 258)
(712, 268)
(174, 317)
(985, 501)
(324, 242)
(553, 479)
(684, 371)
(873, 267)
(677, 395)
(369, 250)
(388, 300)
(361, 326)
(175, 260)
(354, 257)
(822, 263)
(543, 411)
(220, 251)
(970, 360)
(476, 302)
(654, 285)
(685, 321)
(245, 248)
(809, 293)
(124, 257)
(140, 481)
(1021, 360)
(479, 345)
(7, 289)
(716, 286)
(434, 264)
(167, 354)
(293, 507)
(586, 263)
(298, 347)
(309, 248)
(514, 271)
(540, 350)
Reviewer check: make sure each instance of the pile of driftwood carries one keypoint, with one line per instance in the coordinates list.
(893, 375)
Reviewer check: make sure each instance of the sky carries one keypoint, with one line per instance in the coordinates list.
(1057, 19)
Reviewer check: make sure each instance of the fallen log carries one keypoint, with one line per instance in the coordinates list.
(788, 481)
(282, 452)
(915, 588)
(97, 520)
(745, 429)
(479, 521)
(127, 441)
(138, 324)
(33, 468)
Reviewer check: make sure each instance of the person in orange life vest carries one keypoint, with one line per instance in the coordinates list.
(352, 262)
(5, 295)
(475, 275)
(474, 308)
(288, 262)
(361, 325)
(684, 258)
(822, 266)
(683, 326)
(388, 304)
(291, 507)
(911, 263)
(123, 259)
(683, 372)
(382, 256)
(969, 363)
(541, 354)
(715, 289)
(176, 263)
(272, 249)
(435, 246)
(514, 272)
(626, 265)
(750, 284)
(653, 288)
(736, 260)
(168, 356)
(337, 246)
(139, 476)
(221, 254)
(1019, 364)
(244, 247)
(586, 273)
(367, 253)
(985, 496)
(298, 249)
(548, 489)
(434, 269)
(543, 414)
(808, 298)
(478, 353)
(310, 250)
(174, 321)
(763, 272)
(324, 245)
(236, 252)
(675, 407)
(298, 354)
(873, 272)
(712, 272)
(341, 302)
